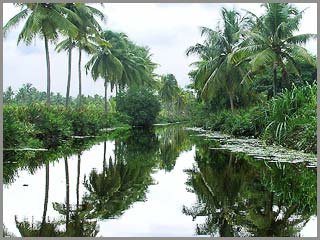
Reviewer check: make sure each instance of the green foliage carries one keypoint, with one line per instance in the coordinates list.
(49, 122)
(288, 119)
(16, 132)
(140, 104)
(40, 125)
(292, 118)
(86, 121)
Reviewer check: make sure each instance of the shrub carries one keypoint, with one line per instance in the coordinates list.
(140, 104)
(50, 123)
(16, 132)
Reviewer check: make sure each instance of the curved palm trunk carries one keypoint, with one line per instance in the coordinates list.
(48, 70)
(78, 179)
(79, 70)
(67, 192)
(274, 80)
(105, 96)
(46, 197)
(69, 77)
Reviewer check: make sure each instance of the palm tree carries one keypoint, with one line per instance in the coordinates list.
(88, 26)
(215, 70)
(44, 20)
(136, 61)
(272, 42)
(168, 90)
(105, 65)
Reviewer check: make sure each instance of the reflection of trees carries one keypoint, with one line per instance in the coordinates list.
(124, 179)
(75, 220)
(173, 140)
(242, 196)
(45, 227)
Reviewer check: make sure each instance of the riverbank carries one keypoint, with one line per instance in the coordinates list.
(40, 126)
(288, 120)
(255, 148)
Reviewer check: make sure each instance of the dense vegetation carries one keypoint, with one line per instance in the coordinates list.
(254, 78)
(140, 104)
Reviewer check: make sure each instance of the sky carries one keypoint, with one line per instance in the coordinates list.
(168, 29)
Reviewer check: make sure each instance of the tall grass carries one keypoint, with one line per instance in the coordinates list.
(288, 119)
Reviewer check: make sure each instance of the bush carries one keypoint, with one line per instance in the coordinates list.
(140, 104)
(50, 123)
(16, 132)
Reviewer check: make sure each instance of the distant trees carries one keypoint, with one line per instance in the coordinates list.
(174, 99)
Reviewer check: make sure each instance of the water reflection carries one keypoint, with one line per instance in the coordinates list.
(240, 196)
(237, 195)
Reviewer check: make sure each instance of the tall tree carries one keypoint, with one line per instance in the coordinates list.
(168, 90)
(44, 20)
(88, 27)
(105, 65)
(272, 42)
(215, 70)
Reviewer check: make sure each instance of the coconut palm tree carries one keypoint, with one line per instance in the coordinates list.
(88, 27)
(44, 20)
(105, 65)
(272, 42)
(215, 70)
(168, 90)
(136, 61)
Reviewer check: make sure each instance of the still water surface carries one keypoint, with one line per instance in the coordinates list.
(163, 182)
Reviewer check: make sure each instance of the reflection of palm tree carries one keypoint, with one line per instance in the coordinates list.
(67, 192)
(124, 179)
(78, 178)
(43, 228)
(173, 140)
(236, 192)
(45, 207)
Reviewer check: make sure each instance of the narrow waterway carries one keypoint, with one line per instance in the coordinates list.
(169, 181)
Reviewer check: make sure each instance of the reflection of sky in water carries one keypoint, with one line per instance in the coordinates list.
(160, 215)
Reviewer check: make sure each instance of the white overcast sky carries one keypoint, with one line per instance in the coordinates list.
(168, 29)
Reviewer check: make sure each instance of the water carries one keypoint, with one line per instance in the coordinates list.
(165, 182)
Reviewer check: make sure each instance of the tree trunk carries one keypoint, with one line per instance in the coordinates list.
(46, 197)
(105, 96)
(67, 192)
(285, 78)
(116, 89)
(104, 151)
(48, 70)
(274, 80)
(231, 102)
(69, 77)
(79, 70)
(78, 179)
